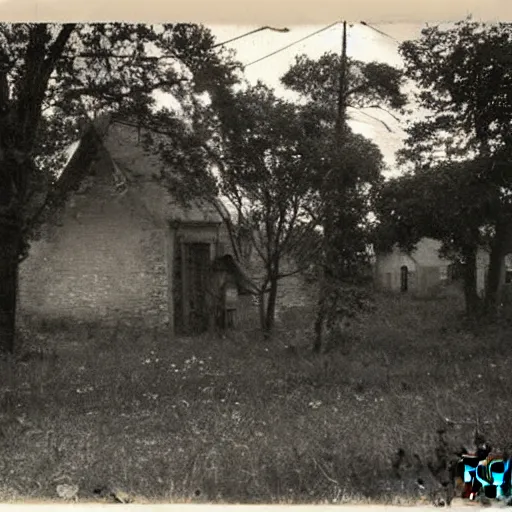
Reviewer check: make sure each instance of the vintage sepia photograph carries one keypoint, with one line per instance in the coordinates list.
(256, 263)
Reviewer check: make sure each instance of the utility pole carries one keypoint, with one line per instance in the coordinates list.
(339, 135)
(342, 100)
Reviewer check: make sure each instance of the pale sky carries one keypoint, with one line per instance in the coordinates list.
(363, 43)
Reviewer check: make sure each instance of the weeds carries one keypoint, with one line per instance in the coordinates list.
(238, 419)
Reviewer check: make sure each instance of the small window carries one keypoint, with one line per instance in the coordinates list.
(508, 276)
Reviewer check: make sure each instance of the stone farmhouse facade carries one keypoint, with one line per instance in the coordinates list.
(123, 249)
(423, 272)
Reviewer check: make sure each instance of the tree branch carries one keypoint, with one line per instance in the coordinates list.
(291, 224)
(377, 119)
(258, 249)
(354, 90)
(229, 227)
(292, 273)
(92, 55)
(39, 65)
(4, 92)
(105, 91)
(56, 49)
(295, 243)
(384, 110)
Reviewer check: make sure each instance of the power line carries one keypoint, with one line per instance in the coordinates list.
(261, 29)
(292, 44)
(366, 24)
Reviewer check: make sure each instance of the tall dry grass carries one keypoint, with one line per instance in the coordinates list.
(240, 419)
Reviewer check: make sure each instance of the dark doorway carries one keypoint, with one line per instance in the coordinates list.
(404, 278)
(191, 283)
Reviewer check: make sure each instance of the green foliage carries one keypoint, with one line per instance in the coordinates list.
(266, 168)
(459, 149)
(263, 170)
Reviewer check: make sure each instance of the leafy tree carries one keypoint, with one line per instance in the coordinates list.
(274, 162)
(262, 149)
(51, 78)
(451, 202)
(345, 183)
(270, 159)
(344, 266)
(464, 80)
(369, 85)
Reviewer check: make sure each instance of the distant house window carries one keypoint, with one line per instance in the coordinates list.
(404, 278)
(508, 276)
(443, 273)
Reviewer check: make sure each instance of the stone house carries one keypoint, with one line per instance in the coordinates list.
(419, 272)
(122, 248)
(424, 271)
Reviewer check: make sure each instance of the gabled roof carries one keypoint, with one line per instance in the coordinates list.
(119, 138)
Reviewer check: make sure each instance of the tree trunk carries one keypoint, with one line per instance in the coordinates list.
(261, 308)
(9, 253)
(494, 283)
(471, 297)
(271, 307)
(319, 325)
(323, 289)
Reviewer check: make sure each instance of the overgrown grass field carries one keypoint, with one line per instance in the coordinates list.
(239, 419)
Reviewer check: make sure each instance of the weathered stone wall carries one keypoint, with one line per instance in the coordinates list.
(125, 145)
(112, 256)
(107, 260)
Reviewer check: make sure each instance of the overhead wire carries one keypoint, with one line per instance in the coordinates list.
(364, 23)
(385, 34)
(293, 44)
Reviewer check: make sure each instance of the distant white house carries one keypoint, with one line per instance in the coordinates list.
(423, 271)
(483, 268)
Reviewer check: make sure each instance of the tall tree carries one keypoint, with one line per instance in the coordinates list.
(54, 76)
(464, 78)
(261, 154)
(345, 202)
(337, 87)
(270, 159)
(369, 85)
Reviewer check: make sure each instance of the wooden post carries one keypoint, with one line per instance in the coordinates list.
(185, 301)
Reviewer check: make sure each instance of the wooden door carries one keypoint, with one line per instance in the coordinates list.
(195, 275)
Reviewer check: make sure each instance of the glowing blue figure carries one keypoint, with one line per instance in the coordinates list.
(494, 476)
